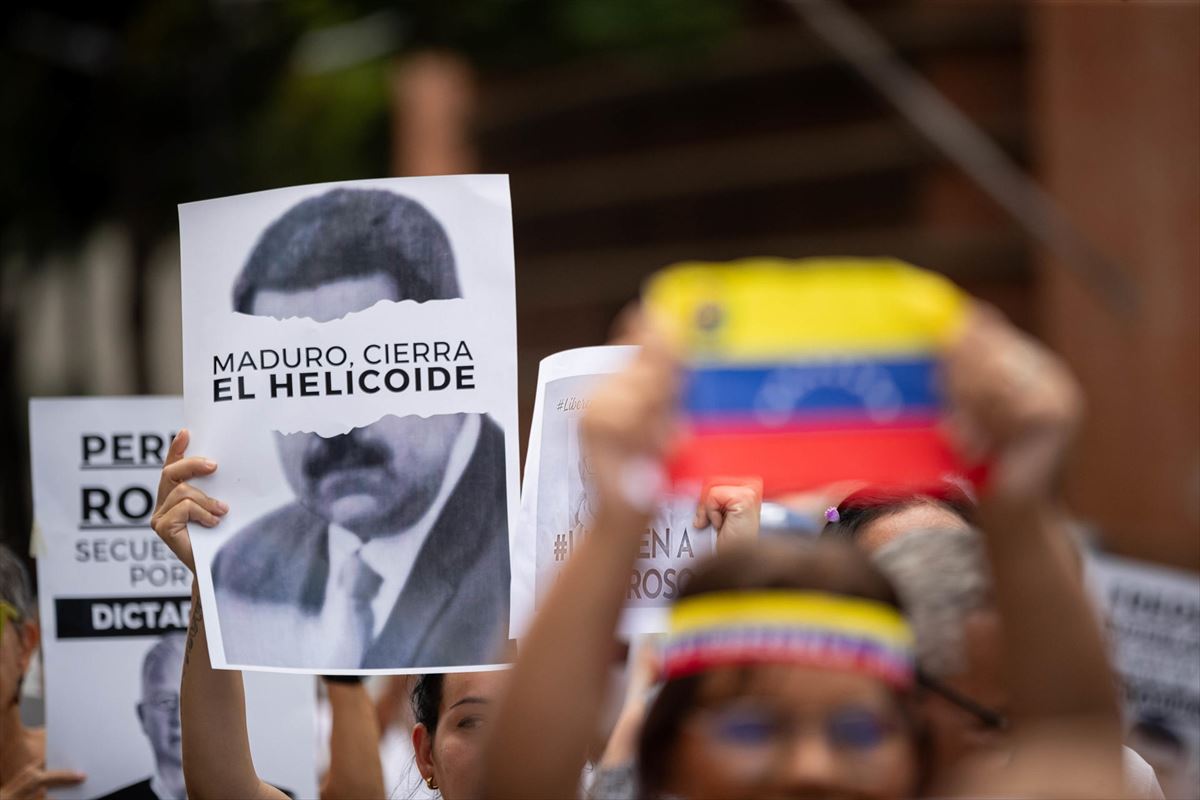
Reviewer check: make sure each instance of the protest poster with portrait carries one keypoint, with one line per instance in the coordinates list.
(1152, 615)
(557, 506)
(114, 604)
(350, 364)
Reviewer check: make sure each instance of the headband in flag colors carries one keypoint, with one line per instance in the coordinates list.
(815, 629)
(809, 372)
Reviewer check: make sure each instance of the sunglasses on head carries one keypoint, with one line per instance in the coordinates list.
(8, 611)
(993, 720)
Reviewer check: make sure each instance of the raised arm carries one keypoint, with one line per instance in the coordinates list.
(548, 716)
(212, 710)
(355, 771)
(212, 703)
(1016, 405)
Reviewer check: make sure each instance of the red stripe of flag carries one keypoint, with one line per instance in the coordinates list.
(796, 459)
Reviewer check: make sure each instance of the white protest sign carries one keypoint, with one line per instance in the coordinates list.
(114, 605)
(350, 364)
(557, 504)
(1153, 619)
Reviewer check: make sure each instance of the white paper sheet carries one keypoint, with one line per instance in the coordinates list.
(556, 509)
(1153, 619)
(350, 363)
(111, 594)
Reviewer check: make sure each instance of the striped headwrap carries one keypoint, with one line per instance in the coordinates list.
(806, 628)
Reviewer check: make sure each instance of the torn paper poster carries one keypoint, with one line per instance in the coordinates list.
(350, 364)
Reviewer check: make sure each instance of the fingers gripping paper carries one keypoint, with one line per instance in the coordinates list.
(807, 372)
(114, 610)
(350, 364)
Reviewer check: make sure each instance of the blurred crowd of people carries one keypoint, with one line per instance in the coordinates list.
(934, 641)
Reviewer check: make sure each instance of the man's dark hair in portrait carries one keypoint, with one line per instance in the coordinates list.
(395, 550)
(349, 233)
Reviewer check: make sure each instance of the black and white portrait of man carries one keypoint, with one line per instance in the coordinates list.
(394, 552)
(158, 713)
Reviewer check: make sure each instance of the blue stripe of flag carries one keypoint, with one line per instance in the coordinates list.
(878, 387)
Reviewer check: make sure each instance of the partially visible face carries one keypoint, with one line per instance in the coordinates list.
(955, 732)
(17, 644)
(468, 706)
(159, 710)
(374, 479)
(796, 732)
(923, 516)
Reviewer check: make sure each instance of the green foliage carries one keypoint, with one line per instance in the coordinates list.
(528, 33)
(122, 110)
(322, 127)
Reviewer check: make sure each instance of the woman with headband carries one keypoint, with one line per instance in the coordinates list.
(788, 668)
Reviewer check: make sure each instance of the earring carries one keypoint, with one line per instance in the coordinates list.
(431, 783)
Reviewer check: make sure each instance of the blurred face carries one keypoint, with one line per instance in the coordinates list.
(786, 731)
(923, 516)
(17, 644)
(955, 732)
(159, 713)
(375, 479)
(453, 753)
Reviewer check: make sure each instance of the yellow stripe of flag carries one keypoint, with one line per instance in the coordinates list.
(766, 309)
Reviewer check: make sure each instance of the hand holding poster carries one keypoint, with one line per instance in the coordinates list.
(350, 363)
(812, 371)
(557, 505)
(115, 605)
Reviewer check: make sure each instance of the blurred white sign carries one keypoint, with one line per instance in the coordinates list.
(1153, 620)
(557, 503)
(114, 605)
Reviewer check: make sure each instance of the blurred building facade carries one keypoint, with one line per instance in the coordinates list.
(770, 145)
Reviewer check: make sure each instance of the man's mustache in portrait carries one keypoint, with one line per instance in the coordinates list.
(342, 452)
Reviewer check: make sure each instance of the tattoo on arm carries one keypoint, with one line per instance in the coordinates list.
(193, 630)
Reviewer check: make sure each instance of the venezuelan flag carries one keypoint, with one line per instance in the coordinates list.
(812, 371)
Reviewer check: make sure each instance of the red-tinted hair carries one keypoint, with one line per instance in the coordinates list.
(870, 503)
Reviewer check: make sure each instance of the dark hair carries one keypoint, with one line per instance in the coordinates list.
(829, 566)
(863, 507)
(15, 586)
(348, 233)
(427, 700)
(16, 590)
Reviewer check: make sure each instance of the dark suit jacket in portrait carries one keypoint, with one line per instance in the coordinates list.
(452, 610)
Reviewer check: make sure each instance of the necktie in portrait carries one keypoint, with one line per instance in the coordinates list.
(357, 584)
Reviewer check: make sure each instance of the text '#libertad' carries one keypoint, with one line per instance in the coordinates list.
(326, 371)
